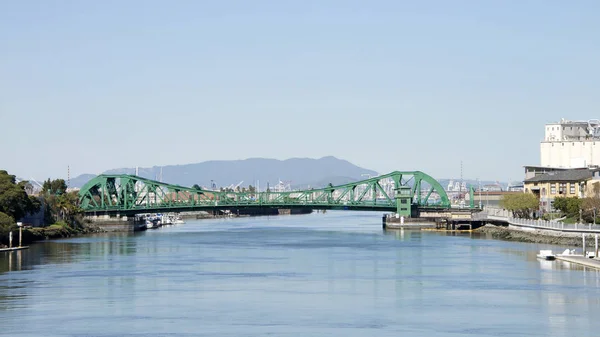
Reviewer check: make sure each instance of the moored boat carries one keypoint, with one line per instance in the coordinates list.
(546, 255)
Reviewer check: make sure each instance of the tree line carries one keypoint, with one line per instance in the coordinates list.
(16, 201)
(526, 205)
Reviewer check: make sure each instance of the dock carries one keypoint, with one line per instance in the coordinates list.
(581, 260)
(450, 220)
(13, 249)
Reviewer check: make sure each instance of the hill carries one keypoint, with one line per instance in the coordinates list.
(296, 172)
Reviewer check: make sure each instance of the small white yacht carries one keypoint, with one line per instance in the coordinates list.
(546, 255)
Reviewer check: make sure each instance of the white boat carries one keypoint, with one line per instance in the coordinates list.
(149, 224)
(546, 255)
(178, 220)
(568, 252)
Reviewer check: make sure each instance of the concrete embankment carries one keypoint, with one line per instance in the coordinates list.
(513, 233)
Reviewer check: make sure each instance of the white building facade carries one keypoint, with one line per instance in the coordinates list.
(571, 144)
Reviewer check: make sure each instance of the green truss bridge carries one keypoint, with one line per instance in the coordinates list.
(406, 193)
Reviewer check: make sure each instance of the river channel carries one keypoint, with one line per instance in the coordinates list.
(332, 274)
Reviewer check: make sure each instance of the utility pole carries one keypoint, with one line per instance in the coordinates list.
(461, 176)
(479, 182)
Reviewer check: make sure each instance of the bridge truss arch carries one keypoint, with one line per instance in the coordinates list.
(129, 194)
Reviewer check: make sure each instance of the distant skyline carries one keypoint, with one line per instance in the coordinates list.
(387, 85)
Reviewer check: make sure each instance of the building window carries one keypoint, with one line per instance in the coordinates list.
(572, 188)
(562, 188)
(543, 191)
(553, 188)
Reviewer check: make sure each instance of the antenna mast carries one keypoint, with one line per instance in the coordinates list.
(461, 176)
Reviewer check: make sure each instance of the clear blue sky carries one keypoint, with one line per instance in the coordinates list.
(388, 85)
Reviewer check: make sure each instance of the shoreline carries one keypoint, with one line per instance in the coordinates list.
(511, 233)
(37, 234)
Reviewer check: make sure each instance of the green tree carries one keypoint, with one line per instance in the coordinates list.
(56, 187)
(14, 201)
(6, 220)
(569, 206)
(521, 204)
(560, 203)
(63, 207)
(196, 187)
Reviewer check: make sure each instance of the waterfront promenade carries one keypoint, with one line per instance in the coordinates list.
(497, 215)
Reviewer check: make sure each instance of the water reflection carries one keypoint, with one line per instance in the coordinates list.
(97, 247)
(11, 261)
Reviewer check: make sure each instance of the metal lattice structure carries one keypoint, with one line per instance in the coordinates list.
(402, 192)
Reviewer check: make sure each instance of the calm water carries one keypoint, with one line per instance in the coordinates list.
(334, 274)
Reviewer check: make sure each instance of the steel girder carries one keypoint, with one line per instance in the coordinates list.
(133, 194)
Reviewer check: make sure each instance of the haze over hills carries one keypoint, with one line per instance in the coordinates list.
(296, 172)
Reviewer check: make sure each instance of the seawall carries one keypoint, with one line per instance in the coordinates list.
(108, 224)
(523, 234)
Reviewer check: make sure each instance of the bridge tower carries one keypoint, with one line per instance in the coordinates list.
(404, 201)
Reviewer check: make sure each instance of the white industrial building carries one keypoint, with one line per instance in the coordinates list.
(571, 144)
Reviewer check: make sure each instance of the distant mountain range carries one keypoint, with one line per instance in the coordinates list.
(297, 173)
(294, 172)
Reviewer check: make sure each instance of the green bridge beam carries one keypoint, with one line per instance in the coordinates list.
(402, 192)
